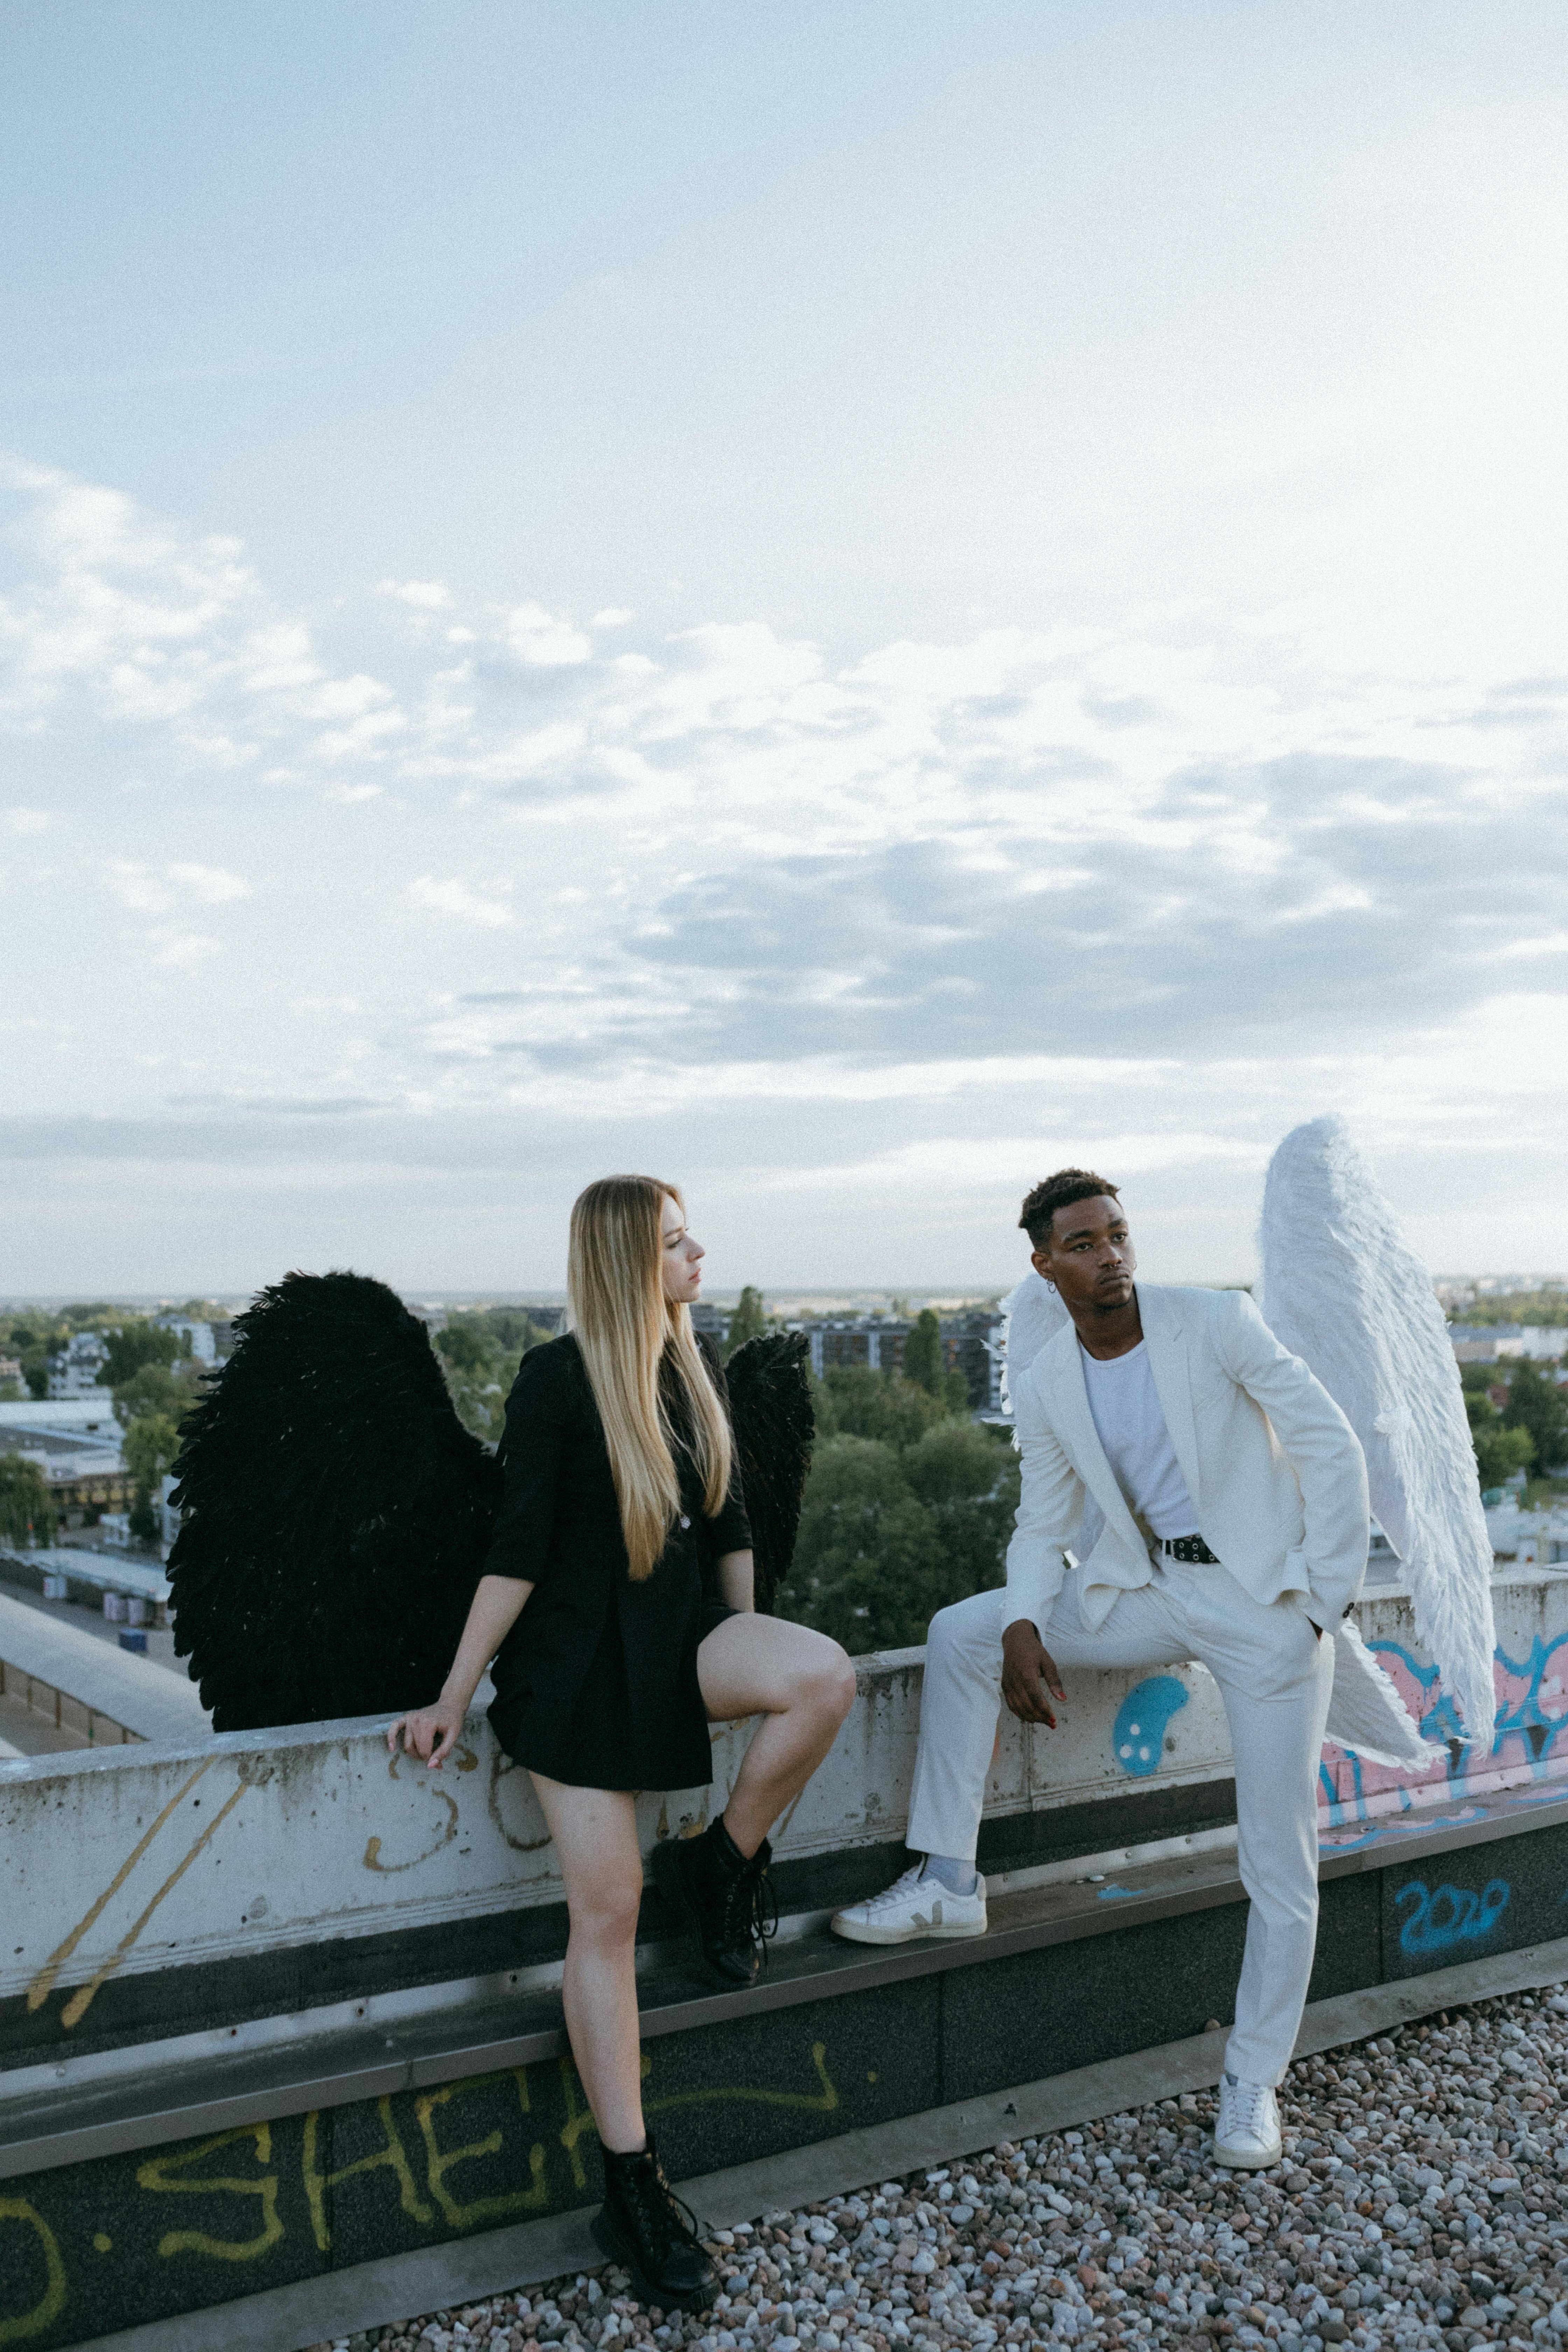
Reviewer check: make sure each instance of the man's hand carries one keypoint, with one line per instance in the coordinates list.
(1028, 1670)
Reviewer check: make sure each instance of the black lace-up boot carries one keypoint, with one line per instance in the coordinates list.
(725, 1900)
(642, 2225)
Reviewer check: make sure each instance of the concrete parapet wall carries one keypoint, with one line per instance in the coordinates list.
(159, 1856)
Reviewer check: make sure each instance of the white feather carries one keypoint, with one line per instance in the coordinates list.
(1367, 1712)
(1343, 1290)
(1031, 1313)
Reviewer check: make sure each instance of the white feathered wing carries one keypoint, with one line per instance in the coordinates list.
(1031, 1313)
(1343, 1290)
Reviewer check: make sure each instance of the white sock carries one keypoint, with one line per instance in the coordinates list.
(958, 1877)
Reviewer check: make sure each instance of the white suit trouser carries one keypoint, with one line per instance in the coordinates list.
(1275, 1677)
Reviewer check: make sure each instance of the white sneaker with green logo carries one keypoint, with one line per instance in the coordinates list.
(912, 1907)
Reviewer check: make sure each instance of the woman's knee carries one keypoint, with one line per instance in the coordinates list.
(827, 1685)
(604, 1911)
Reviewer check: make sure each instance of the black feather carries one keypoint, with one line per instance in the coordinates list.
(338, 1512)
(770, 1408)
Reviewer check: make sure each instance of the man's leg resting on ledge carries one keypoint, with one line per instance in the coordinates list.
(944, 1895)
(959, 1708)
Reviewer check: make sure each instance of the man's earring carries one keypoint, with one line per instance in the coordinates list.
(1048, 1283)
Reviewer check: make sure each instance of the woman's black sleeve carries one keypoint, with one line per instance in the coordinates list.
(538, 1414)
(730, 1529)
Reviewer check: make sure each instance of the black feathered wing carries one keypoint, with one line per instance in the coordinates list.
(337, 1512)
(770, 1410)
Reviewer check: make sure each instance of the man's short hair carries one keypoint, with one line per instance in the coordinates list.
(1059, 1191)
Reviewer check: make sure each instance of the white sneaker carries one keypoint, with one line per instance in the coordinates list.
(1246, 2135)
(913, 1906)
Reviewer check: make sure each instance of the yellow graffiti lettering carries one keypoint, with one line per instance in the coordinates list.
(391, 2154)
(77, 2007)
(164, 2174)
(43, 1983)
(439, 2162)
(816, 2103)
(57, 2286)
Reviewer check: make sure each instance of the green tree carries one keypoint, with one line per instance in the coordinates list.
(855, 1402)
(867, 1567)
(36, 1336)
(150, 1446)
(1536, 1402)
(1499, 1451)
(479, 1351)
(465, 1347)
(924, 1357)
(748, 1321)
(898, 1519)
(959, 1461)
(27, 1510)
(163, 1389)
(929, 1368)
(131, 1344)
(1547, 1305)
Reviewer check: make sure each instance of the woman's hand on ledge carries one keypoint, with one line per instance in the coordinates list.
(430, 1733)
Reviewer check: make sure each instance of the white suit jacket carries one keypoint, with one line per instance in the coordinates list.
(1275, 1471)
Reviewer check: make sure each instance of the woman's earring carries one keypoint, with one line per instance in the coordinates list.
(1048, 1283)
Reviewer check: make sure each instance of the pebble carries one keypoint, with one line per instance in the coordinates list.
(1422, 2201)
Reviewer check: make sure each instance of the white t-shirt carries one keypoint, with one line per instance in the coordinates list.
(1132, 1428)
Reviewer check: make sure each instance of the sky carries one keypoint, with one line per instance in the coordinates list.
(844, 605)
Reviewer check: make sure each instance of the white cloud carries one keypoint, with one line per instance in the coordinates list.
(26, 821)
(942, 1164)
(210, 885)
(545, 640)
(424, 595)
(894, 925)
(457, 900)
(156, 629)
(183, 950)
(146, 891)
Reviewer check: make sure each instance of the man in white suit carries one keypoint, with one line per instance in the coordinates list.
(1189, 1492)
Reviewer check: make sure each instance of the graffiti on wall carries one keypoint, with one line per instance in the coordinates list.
(1137, 1735)
(1436, 1921)
(1532, 1725)
(183, 2226)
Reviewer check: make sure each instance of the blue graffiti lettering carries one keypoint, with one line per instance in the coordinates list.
(1451, 1916)
(1138, 1736)
(1533, 1702)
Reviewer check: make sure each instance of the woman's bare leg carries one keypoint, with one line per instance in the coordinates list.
(596, 1836)
(803, 1685)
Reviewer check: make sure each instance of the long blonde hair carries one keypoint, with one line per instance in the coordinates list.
(624, 1323)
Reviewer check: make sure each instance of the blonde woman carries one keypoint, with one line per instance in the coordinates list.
(611, 1657)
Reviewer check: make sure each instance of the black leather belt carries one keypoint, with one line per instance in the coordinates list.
(1191, 1549)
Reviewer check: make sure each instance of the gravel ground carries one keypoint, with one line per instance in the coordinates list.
(1423, 2200)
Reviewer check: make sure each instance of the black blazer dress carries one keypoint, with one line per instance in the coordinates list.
(597, 1683)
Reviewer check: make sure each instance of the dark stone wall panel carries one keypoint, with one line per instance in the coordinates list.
(1075, 2004)
(95, 2247)
(1350, 1936)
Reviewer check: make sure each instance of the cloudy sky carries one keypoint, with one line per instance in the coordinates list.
(844, 602)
